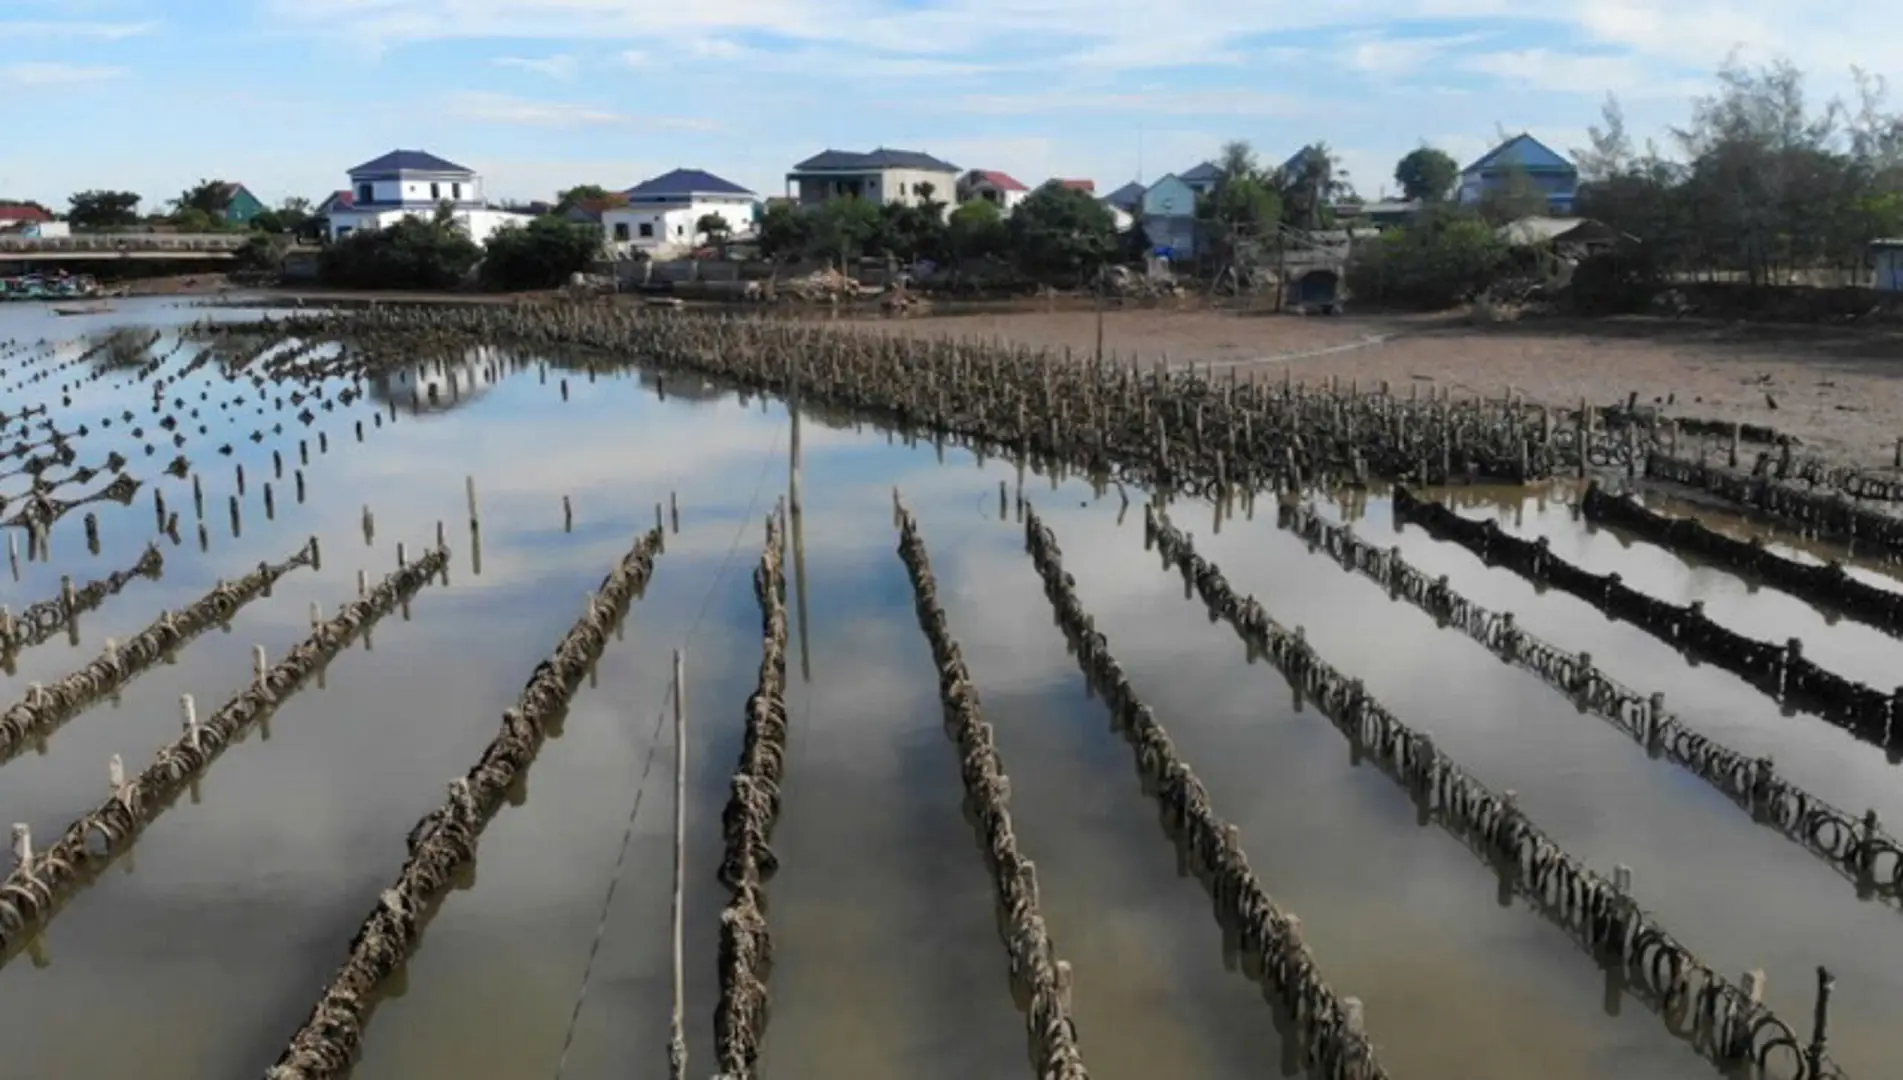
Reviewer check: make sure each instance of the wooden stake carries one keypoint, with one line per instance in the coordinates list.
(677, 1039)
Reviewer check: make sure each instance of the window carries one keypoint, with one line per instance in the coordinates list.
(456, 192)
(621, 231)
(647, 230)
(680, 230)
(364, 192)
(435, 192)
(343, 231)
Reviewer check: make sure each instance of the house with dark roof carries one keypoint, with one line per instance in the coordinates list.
(1128, 198)
(1202, 179)
(240, 205)
(341, 199)
(989, 185)
(1549, 173)
(666, 212)
(883, 175)
(415, 183)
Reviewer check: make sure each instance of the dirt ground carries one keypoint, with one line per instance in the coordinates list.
(1839, 390)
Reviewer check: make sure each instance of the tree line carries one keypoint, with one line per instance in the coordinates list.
(434, 254)
(1760, 187)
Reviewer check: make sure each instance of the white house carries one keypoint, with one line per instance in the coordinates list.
(883, 176)
(415, 183)
(663, 215)
(999, 189)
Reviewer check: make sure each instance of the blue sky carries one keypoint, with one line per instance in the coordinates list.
(285, 95)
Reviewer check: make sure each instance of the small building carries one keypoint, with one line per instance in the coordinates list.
(906, 177)
(16, 218)
(1887, 254)
(42, 230)
(1549, 173)
(1168, 212)
(416, 183)
(663, 215)
(340, 199)
(1001, 190)
(240, 205)
(1088, 187)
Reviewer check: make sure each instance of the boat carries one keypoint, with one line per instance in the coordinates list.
(37, 286)
(100, 309)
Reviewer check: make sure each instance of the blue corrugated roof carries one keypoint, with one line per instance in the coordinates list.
(881, 158)
(1521, 151)
(686, 182)
(408, 161)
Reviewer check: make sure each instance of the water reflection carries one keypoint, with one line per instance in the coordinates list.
(888, 962)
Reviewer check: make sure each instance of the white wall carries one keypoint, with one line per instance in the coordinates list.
(412, 188)
(672, 225)
(478, 225)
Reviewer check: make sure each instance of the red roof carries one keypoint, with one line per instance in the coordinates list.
(24, 213)
(1088, 187)
(1001, 181)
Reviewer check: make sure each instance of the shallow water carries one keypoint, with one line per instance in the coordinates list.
(200, 953)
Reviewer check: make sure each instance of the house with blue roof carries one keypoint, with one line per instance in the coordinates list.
(883, 175)
(414, 183)
(662, 215)
(1550, 173)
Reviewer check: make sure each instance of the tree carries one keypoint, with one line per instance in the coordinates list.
(586, 195)
(1062, 234)
(103, 209)
(785, 231)
(1309, 186)
(209, 197)
(410, 254)
(1446, 256)
(1426, 174)
(977, 230)
(842, 228)
(541, 255)
(713, 227)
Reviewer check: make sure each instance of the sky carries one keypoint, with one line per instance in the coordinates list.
(538, 95)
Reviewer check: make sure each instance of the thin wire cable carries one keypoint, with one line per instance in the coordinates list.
(654, 739)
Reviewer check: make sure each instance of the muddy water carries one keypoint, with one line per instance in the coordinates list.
(198, 955)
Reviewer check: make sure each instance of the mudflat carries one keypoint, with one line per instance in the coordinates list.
(1838, 389)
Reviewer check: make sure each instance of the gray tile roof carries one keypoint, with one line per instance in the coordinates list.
(1127, 197)
(881, 158)
(686, 182)
(408, 161)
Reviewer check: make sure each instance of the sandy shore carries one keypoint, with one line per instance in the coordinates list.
(1839, 390)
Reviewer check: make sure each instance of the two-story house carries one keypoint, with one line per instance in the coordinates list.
(1169, 217)
(1549, 173)
(415, 183)
(665, 213)
(1202, 179)
(883, 176)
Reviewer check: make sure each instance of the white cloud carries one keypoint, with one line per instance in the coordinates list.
(559, 66)
(491, 108)
(1381, 55)
(1155, 101)
(46, 73)
(40, 30)
(1595, 75)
